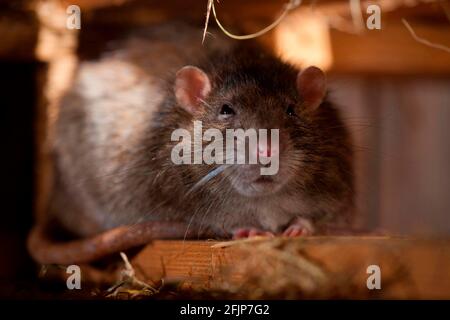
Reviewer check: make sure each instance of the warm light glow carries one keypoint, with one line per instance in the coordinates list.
(303, 39)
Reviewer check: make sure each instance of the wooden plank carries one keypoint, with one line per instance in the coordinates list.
(392, 50)
(414, 155)
(312, 267)
(56, 46)
(307, 37)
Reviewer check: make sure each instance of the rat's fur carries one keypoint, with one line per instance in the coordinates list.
(113, 147)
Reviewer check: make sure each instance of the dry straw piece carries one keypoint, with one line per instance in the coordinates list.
(291, 5)
(355, 11)
(130, 285)
(424, 41)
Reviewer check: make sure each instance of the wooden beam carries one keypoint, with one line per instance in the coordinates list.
(327, 37)
(312, 267)
(56, 46)
(322, 35)
(392, 50)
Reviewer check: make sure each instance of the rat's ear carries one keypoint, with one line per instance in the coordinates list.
(312, 86)
(191, 86)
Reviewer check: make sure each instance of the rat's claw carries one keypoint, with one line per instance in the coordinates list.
(296, 231)
(250, 232)
(300, 227)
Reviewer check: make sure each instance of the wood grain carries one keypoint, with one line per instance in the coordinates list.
(410, 268)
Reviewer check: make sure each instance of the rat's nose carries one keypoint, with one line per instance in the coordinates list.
(267, 148)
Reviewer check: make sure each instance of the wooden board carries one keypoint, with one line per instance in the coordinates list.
(317, 267)
(27, 34)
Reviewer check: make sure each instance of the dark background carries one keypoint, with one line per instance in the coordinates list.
(17, 96)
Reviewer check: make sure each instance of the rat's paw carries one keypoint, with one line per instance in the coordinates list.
(299, 227)
(243, 233)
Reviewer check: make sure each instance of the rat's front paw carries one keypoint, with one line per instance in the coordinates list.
(243, 233)
(299, 227)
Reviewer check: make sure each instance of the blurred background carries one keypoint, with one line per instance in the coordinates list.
(392, 85)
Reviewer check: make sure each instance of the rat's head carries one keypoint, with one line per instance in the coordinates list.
(255, 94)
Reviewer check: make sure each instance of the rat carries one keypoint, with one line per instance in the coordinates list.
(114, 176)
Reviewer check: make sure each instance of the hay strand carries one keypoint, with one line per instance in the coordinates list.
(292, 4)
(424, 41)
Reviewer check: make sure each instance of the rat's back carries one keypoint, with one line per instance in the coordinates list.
(105, 117)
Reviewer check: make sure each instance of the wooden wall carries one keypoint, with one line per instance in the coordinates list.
(401, 135)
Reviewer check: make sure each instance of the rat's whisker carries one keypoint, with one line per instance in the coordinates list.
(210, 176)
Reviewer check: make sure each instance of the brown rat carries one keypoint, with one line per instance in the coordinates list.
(113, 144)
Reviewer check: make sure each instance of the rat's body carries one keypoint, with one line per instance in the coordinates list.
(113, 140)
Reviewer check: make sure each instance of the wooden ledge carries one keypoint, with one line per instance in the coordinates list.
(320, 267)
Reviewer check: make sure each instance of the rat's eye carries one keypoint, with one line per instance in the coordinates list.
(290, 110)
(226, 110)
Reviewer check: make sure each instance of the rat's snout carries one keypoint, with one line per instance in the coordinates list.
(268, 148)
(261, 177)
